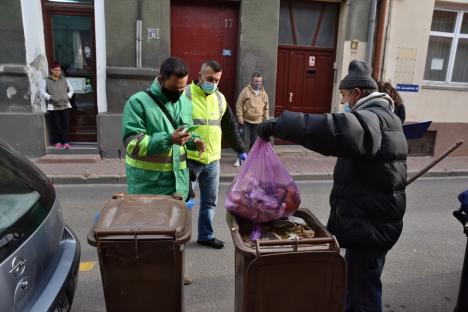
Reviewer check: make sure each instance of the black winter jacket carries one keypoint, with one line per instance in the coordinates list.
(231, 132)
(368, 198)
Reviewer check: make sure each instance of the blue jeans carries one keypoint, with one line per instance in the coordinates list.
(364, 288)
(208, 181)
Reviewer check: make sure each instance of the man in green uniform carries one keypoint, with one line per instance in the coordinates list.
(154, 131)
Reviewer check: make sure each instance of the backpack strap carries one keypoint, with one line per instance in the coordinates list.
(163, 109)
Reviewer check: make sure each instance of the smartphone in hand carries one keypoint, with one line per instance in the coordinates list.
(190, 129)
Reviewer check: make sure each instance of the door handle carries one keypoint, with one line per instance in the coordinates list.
(290, 97)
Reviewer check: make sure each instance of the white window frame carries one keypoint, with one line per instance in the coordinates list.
(455, 35)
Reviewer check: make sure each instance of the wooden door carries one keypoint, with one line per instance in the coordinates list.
(204, 30)
(69, 34)
(306, 56)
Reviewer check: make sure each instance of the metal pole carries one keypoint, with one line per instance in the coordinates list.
(370, 31)
(434, 162)
(138, 34)
(379, 40)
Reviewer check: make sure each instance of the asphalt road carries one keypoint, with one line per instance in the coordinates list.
(422, 272)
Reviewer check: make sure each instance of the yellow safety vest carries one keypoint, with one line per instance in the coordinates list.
(208, 110)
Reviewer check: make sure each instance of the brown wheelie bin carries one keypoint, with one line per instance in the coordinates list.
(140, 243)
(288, 275)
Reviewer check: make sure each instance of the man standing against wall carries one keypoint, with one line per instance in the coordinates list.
(252, 109)
(213, 118)
(57, 91)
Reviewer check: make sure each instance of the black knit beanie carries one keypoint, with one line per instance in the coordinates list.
(359, 76)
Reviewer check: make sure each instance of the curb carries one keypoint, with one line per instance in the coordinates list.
(87, 179)
(227, 178)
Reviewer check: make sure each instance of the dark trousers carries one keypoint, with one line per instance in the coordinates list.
(249, 134)
(60, 126)
(364, 288)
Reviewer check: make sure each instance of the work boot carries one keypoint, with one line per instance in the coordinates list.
(187, 280)
(213, 243)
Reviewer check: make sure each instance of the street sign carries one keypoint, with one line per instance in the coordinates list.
(407, 87)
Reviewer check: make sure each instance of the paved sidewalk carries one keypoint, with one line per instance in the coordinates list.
(301, 163)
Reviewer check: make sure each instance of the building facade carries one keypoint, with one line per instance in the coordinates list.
(427, 48)
(110, 49)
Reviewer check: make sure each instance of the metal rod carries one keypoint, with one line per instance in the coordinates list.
(434, 162)
(286, 242)
(138, 33)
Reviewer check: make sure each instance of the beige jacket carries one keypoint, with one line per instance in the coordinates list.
(250, 107)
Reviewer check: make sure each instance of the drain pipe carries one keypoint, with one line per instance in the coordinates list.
(138, 34)
(387, 34)
(370, 32)
(379, 41)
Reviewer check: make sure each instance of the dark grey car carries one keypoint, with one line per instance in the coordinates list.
(39, 254)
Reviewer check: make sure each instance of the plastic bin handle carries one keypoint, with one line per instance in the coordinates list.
(295, 243)
(137, 232)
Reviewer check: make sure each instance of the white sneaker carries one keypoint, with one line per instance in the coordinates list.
(237, 163)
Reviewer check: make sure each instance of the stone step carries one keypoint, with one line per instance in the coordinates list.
(69, 159)
(76, 149)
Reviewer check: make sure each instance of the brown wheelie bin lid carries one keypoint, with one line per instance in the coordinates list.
(149, 215)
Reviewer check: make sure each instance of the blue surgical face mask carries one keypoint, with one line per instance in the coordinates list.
(256, 86)
(346, 108)
(209, 87)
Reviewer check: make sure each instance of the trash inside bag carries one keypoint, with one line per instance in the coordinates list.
(276, 231)
(263, 190)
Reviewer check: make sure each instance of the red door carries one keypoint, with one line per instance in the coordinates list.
(306, 54)
(306, 80)
(202, 31)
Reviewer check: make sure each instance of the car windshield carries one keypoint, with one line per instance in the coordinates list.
(25, 194)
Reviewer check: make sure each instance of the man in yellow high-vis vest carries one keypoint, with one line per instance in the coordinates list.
(213, 119)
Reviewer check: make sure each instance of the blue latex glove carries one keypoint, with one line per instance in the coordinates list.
(191, 203)
(463, 199)
(242, 158)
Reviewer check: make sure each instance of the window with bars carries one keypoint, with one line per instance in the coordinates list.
(447, 55)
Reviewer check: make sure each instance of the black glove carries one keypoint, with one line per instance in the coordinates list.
(191, 193)
(192, 176)
(266, 130)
